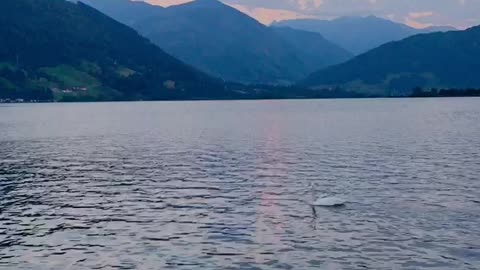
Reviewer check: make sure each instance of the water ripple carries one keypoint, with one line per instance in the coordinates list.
(225, 185)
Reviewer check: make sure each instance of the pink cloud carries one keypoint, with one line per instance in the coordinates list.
(166, 3)
(267, 16)
(413, 17)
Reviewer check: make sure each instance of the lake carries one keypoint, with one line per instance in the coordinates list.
(226, 184)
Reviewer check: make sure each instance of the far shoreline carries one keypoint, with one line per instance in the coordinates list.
(233, 99)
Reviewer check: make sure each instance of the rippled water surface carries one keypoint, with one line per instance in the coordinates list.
(225, 185)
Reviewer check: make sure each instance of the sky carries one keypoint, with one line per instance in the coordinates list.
(416, 13)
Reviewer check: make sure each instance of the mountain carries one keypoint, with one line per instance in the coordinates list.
(125, 11)
(74, 52)
(433, 29)
(358, 34)
(228, 44)
(315, 51)
(443, 60)
(223, 42)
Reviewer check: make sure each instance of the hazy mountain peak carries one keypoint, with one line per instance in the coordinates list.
(201, 4)
(208, 10)
(438, 29)
(125, 11)
(359, 34)
(208, 2)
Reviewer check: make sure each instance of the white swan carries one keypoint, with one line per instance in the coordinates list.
(329, 202)
(326, 201)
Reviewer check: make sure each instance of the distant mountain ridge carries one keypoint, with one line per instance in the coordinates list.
(440, 60)
(359, 34)
(125, 11)
(228, 44)
(313, 48)
(223, 42)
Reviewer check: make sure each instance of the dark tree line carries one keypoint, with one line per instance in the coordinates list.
(35, 34)
(450, 92)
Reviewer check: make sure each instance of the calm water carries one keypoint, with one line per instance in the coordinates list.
(224, 185)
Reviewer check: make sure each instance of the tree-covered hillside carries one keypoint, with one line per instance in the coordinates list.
(441, 60)
(73, 52)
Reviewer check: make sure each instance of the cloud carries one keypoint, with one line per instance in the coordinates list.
(417, 15)
(413, 19)
(415, 24)
(308, 4)
(267, 16)
(166, 3)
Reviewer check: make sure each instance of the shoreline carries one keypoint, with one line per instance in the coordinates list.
(234, 99)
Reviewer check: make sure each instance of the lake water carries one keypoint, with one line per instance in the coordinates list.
(225, 185)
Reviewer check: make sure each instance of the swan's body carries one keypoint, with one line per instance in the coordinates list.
(329, 202)
(325, 201)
